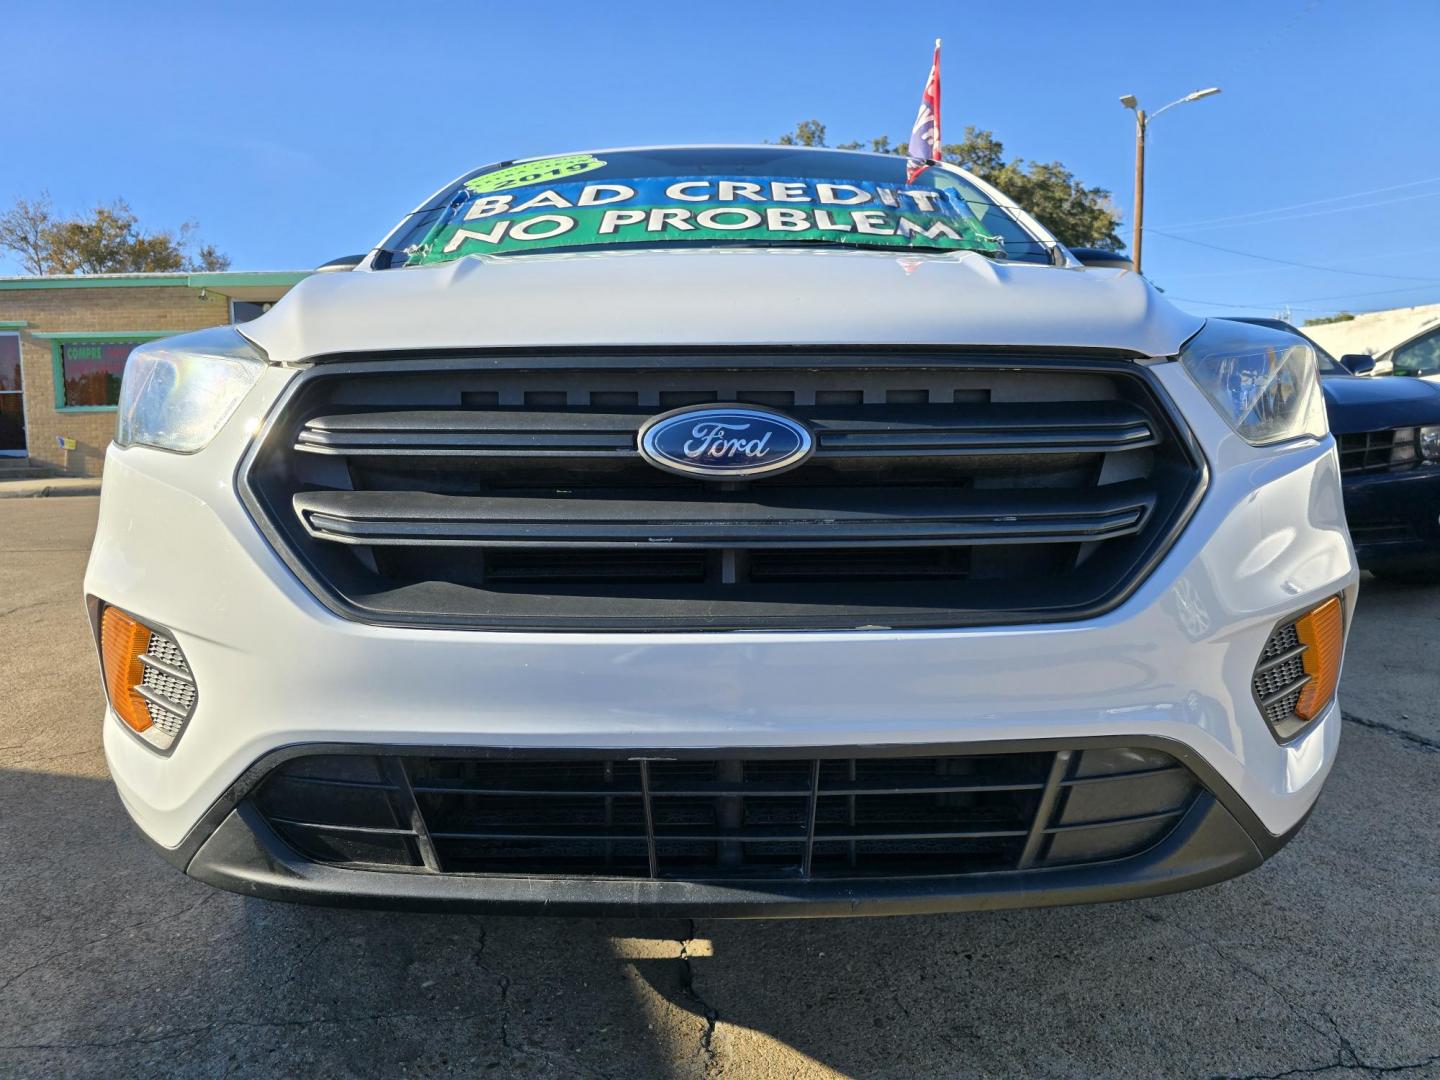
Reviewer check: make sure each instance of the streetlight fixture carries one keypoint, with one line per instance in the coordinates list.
(1142, 121)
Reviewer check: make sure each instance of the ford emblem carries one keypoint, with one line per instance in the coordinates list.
(725, 442)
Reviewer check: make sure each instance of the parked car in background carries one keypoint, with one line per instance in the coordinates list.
(1388, 433)
(1418, 357)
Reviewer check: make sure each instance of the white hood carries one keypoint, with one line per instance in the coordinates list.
(713, 296)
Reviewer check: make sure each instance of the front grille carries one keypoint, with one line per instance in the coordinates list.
(508, 492)
(1388, 450)
(710, 818)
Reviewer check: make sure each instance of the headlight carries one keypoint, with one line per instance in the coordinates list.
(1263, 381)
(1430, 443)
(177, 393)
(1404, 446)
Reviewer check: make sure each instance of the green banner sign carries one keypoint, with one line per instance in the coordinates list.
(498, 218)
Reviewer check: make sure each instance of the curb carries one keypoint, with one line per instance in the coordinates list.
(41, 489)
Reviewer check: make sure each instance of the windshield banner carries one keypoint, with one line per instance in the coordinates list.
(662, 210)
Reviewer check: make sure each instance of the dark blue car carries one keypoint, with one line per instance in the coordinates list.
(1388, 430)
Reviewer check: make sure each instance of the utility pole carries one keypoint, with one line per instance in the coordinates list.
(1142, 124)
(1139, 215)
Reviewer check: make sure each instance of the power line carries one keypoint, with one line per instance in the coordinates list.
(1295, 303)
(1330, 265)
(1235, 307)
(1305, 205)
(1291, 262)
(1351, 296)
(1322, 213)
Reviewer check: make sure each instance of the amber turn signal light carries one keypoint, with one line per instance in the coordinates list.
(1322, 632)
(122, 641)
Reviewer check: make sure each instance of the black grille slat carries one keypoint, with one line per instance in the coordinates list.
(1038, 428)
(509, 492)
(856, 564)
(728, 818)
(796, 518)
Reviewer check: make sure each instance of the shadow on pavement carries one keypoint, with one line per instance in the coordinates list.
(113, 964)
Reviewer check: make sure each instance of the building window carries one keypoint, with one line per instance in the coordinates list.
(245, 310)
(88, 373)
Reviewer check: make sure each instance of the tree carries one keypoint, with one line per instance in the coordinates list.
(107, 240)
(24, 229)
(1078, 215)
(806, 133)
(1326, 320)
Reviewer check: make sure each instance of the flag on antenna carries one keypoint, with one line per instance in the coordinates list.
(925, 138)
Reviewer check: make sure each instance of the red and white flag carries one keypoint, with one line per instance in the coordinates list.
(925, 138)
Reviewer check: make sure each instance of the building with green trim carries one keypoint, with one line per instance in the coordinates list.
(64, 342)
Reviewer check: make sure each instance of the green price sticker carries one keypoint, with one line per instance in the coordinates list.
(544, 171)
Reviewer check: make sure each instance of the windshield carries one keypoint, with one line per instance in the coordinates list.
(712, 196)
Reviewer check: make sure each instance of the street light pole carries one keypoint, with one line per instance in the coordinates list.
(1139, 215)
(1142, 124)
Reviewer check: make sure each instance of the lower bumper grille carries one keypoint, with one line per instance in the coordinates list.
(709, 818)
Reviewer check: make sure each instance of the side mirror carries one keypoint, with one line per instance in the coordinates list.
(345, 262)
(1096, 257)
(1358, 363)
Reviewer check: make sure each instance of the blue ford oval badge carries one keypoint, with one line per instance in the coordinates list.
(725, 442)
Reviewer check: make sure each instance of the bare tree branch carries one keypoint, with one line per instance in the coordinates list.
(107, 240)
(23, 231)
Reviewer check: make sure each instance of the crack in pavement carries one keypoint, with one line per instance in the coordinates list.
(574, 1067)
(293, 972)
(1315, 1070)
(1346, 1056)
(169, 919)
(1390, 729)
(502, 985)
(503, 982)
(89, 752)
(28, 607)
(43, 550)
(220, 1025)
(1342, 1043)
(687, 987)
(909, 1016)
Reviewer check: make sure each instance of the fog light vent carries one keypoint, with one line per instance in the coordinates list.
(1299, 668)
(147, 678)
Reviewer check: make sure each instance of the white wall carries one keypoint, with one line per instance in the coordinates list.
(1376, 332)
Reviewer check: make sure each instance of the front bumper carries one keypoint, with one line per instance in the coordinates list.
(1394, 517)
(276, 669)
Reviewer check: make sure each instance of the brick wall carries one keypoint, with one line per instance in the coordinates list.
(175, 308)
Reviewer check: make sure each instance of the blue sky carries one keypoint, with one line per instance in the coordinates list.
(297, 132)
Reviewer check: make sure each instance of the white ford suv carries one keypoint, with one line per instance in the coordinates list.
(725, 531)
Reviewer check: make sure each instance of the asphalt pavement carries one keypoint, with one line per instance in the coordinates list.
(1325, 961)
